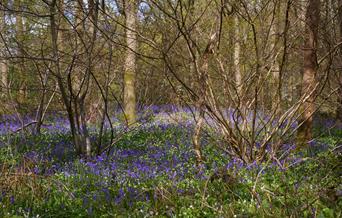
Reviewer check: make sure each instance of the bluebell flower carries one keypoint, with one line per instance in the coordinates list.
(36, 170)
(120, 196)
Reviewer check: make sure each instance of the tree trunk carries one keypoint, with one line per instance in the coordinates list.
(40, 110)
(277, 95)
(20, 40)
(83, 80)
(130, 63)
(3, 61)
(339, 106)
(309, 72)
(74, 103)
(197, 135)
(237, 49)
(4, 76)
(83, 130)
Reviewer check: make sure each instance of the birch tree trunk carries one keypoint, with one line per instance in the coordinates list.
(236, 56)
(130, 63)
(309, 72)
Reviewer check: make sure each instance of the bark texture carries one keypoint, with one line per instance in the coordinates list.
(339, 107)
(237, 48)
(130, 63)
(3, 61)
(277, 95)
(309, 72)
(20, 40)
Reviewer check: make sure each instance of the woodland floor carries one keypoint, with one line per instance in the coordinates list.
(152, 172)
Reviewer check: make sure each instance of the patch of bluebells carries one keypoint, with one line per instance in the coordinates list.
(132, 171)
(135, 169)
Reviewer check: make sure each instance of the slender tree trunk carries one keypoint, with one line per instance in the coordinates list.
(197, 134)
(57, 68)
(202, 81)
(238, 37)
(74, 105)
(199, 85)
(277, 95)
(82, 84)
(40, 110)
(130, 62)
(94, 109)
(309, 72)
(4, 76)
(237, 49)
(83, 129)
(3, 61)
(20, 40)
(339, 106)
(203, 90)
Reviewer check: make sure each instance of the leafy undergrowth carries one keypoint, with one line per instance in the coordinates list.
(152, 173)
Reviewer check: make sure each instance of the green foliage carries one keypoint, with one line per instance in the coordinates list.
(305, 188)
